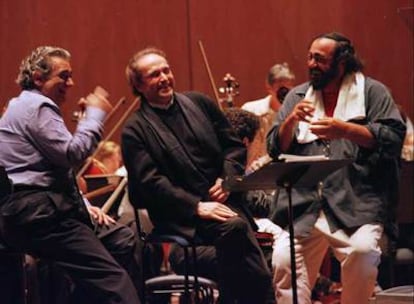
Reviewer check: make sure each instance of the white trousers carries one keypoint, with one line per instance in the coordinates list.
(359, 255)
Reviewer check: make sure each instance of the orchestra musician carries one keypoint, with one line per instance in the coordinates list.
(280, 79)
(177, 149)
(45, 215)
(109, 155)
(107, 159)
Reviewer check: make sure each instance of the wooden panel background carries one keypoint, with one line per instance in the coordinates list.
(243, 37)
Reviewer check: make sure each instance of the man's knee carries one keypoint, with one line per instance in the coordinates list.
(364, 256)
(237, 225)
(124, 240)
(281, 257)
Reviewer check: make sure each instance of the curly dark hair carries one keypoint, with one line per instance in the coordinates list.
(344, 51)
(246, 124)
(38, 60)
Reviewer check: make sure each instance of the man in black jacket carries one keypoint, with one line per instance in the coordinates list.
(177, 149)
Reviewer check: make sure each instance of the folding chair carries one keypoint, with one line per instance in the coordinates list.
(190, 288)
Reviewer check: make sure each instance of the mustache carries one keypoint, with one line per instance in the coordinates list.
(315, 72)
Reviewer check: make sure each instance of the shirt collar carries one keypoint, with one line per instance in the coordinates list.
(162, 106)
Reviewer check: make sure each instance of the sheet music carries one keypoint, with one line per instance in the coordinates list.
(302, 158)
(305, 173)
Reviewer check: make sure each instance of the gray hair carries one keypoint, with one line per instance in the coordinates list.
(278, 72)
(38, 60)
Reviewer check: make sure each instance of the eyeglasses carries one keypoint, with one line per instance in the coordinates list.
(318, 58)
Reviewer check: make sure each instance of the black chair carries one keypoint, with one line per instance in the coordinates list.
(189, 288)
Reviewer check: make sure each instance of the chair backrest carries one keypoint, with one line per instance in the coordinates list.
(5, 183)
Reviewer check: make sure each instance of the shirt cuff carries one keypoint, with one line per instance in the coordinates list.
(95, 114)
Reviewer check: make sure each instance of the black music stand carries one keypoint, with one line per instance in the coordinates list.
(297, 174)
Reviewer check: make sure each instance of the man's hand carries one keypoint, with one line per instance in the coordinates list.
(217, 193)
(331, 128)
(328, 128)
(303, 111)
(98, 101)
(258, 163)
(99, 216)
(214, 211)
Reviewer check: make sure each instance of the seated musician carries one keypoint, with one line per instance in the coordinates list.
(342, 113)
(107, 159)
(46, 215)
(176, 149)
(99, 180)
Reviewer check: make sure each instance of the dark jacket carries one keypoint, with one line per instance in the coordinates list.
(164, 175)
(364, 192)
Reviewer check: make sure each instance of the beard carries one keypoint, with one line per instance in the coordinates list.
(319, 78)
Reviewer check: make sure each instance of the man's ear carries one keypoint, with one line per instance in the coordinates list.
(38, 79)
(269, 88)
(136, 87)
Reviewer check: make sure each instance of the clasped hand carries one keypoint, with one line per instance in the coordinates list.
(216, 209)
(325, 128)
(328, 128)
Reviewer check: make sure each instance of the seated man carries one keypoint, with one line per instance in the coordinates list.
(46, 215)
(342, 113)
(177, 149)
(246, 125)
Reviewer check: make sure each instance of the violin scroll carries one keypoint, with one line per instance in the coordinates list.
(230, 90)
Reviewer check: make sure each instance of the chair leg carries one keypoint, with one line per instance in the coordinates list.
(23, 279)
(196, 283)
(186, 276)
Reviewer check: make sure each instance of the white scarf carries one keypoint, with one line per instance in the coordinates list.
(350, 104)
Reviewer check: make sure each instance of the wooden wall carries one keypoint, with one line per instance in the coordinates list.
(242, 37)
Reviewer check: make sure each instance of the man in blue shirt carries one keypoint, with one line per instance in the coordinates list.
(46, 215)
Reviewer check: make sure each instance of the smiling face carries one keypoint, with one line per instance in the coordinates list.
(56, 84)
(323, 69)
(156, 81)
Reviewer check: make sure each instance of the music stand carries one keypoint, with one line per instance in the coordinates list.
(297, 174)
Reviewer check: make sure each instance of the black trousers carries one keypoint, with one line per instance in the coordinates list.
(52, 226)
(241, 271)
